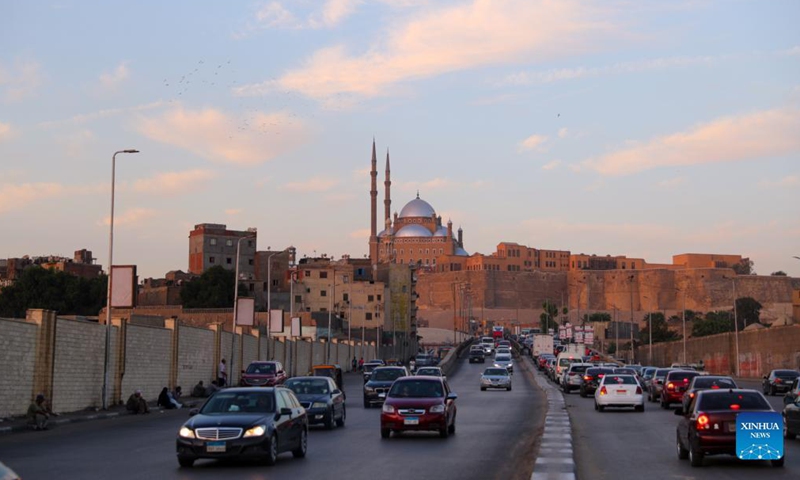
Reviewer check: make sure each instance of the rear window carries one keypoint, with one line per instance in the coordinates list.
(578, 368)
(619, 380)
(386, 374)
(684, 377)
(599, 371)
(705, 382)
(732, 401)
(662, 372)
(625, 371)
(566, 361)
(428, 371)
(787, 373)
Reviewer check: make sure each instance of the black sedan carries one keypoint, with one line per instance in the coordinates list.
(379, 383)
(253, 423)
(778, 381)
(322, 399)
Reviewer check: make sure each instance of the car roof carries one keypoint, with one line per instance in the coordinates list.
(420, 377)
(253, 389)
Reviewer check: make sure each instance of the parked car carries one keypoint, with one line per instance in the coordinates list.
(778, 381)
(657, 384)
(322, 399)
(419, 404)
(791, 417)
(619, 391)
(476, 354)
(708, 427)
(256, 423)
(494, 377)
(263, 374)
(591, 379)
(380, 382)
(675, 385)
(573, 376)
(706, 382)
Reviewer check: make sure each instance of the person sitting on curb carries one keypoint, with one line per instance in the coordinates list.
(199, 390)
(39, 413)
(137, 404)
(211, 388)
(178, 393)
(167, 400)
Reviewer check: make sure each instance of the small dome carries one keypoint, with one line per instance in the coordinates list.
(460, 252)
(440, 232)
(384, 232)
(417, 208)
(413, 230)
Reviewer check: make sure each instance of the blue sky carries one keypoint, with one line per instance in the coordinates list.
(639, 128)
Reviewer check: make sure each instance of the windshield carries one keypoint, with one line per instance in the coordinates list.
(385, 375)
(502, 358)
(429, 371)
(240, 402)
(619, 380)
(705, 382)
(416, 389)
(261, 368)
(501, 372)
(308, 386)
(732, 401)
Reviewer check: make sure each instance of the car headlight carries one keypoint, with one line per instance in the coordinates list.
(186, 432)
(437, 409)
(497, 365)
(369, 390)
(388, 408)
(256, 431)
(319, 405)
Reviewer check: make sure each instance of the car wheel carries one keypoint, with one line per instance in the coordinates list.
(452, 428)
(639, 408)
(779, 462)
(186, 462)
(366, 403)
(385, 433)
(787, 434)
(772, 390)
(696, 458)
(483, 389)
(509, 388)
(683, 454)
(664, 405)
(272, 453)
(444, 432)
(583, 393)
(302, 447)
(595, 406)
(340, 422)
(602, 408)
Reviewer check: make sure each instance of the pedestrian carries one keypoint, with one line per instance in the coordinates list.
(137, 404)
(222, 378)
(199, 390)
(39, 413)
(354, 363)
(361, 364)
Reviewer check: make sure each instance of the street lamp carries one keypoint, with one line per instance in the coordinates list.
(290, 250)
(683, 315)
(110, 276)
(236, 299)
(735, 322)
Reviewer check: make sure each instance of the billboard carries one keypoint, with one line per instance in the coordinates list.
(276, 321)
(123, 286)
(245, 311)
(297, 327)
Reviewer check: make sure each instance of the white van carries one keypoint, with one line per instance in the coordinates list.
(562, 364)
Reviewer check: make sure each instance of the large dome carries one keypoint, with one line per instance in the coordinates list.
(417, 208)
(413, 230)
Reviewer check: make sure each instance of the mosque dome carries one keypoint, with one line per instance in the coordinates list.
(417, 208)
(440, 232)
(413, 230)
(461, 252)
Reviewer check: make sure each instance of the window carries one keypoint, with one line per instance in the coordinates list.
(274, 283)
(250, 262)
(345, 278)
(308, 273)
(401, 251)
(212, 259)
(298, 299)
(370, 298)
(441, 251)
(252, 287)
(323, 274)
(368, 315)
(427, 251)
(346, 297)
(229, 260)
(212, 241)
(249, 243)
(229, 243)
(404, 289)
(379, 298)
(323, 293)
(323, 309)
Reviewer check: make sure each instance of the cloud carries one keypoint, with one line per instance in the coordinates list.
(438, 184)
(15, 196)
(5, 131)
(789, 181)
(341, 197)
(170, 183)
(672, 182)
(449, 39)
(110, 80)
(315, 184)
(363, 233)
(20, 80)
(750, 136)
(76, 144)
(551, 165)
(273, 14)
(534, 142)
(109, 112)
(132, 217)
(261, 183)
(333, 12)
(212, 134)
(233, 211)
(563, 132)
(792, 51)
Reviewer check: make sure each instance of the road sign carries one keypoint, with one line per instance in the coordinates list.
(588, 335)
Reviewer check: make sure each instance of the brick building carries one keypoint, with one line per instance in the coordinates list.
(212, 244)
(81, 265)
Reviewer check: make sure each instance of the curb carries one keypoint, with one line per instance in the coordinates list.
(555, 460)
(24, 427)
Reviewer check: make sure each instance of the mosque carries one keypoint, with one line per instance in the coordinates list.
(415, 235)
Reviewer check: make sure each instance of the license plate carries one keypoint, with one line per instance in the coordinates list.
(215, 447)
(411, 421)
(621, 392)
(381, 395)
(730, 426)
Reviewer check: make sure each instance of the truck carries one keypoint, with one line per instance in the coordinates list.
(542, 344)
(497, 333)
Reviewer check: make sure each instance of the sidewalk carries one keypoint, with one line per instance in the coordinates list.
(20, 423)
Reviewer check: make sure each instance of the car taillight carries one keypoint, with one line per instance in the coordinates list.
(777, 380)
(603, 391)
(670, 386)
(572, 374)
(735, 407)
(691, 395)
(601, 375)
(587, 377)
(702, 422)
(638, 390)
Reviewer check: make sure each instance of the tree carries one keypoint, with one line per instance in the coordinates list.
(748, 311)
(779, 273)
(49, 289)
(712, 324)
(213, 289)
(612, 348)
(745, 267)
(548, 317)
(661, 331)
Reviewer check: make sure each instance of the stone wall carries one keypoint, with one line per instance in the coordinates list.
(195, 357)
(18, 358)
(148, 362)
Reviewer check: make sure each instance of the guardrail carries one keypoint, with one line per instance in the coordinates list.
(451, 359)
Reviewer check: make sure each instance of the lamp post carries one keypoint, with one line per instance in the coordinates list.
(290, 250)
(236, 301)
(735, 325)
(110, 276)
(683, 316)
(631, 278)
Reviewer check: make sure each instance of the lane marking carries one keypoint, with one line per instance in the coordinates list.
(555, 460)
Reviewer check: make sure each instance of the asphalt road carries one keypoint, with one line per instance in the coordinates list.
(496, 439)
(623, 445)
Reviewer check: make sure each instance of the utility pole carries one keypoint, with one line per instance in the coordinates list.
(735, 325)
(632, 354)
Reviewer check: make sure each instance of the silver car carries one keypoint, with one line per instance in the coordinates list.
(505, 362)
(496, 377)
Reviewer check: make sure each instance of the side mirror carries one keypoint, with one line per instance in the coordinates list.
(679, 411)
(764, 377)
(337, 392)
(452, 396)
(285, 411)
(787, 399)
(243, 371)
(194, 412)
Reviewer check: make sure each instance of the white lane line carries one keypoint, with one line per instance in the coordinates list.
(553, 476)
(555, 460)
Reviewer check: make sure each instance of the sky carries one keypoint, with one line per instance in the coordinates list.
(639, 128)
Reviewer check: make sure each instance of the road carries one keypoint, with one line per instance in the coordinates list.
(496, 439)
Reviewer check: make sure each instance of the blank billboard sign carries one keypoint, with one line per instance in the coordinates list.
(276, 321)
(245, 311)
(123, 286)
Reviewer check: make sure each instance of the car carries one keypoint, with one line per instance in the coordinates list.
(322, 399)
(333, 371)
(791, 417)
(573, 376)
(708, 426)
(379, 383)
(562, 363)
(706, 382)
(619, 391)
(476, 355)
(368, 368)
(502, 351)
(425, 360)
(244, 422)
(541, 362)
(378, 361)
(675, 385)
(419, 404)
(793, 393)
(263, 374)
(630, 371)
(550, 369)
(488, 345)
(504, 361)
(647, 374)
(495, 377)
(591, 378)
(431, 372)
(657, 384)
(7, 474)
(778, 381)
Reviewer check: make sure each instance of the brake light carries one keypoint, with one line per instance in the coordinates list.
(603, 391)
(691, 395)
(735, 407)
(714, 387)
(572, 374)
(638, 390)
(685, 380)
(702, 422)
(777, 380)
(670, 386)
(587, 378)
(601, 375)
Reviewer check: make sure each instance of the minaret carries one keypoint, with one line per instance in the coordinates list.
(460, 237)
(373, 193)
(387, 185)
(449, 232)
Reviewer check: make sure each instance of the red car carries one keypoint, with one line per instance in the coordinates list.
(675, 385)
(419, 403)
(263, 374)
